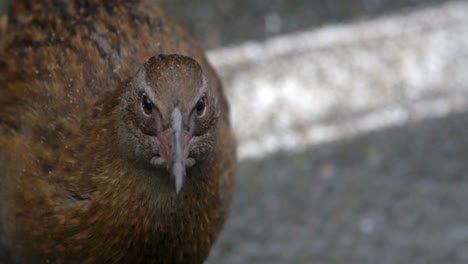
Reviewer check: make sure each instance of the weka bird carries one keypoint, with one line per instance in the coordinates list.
(112, 150)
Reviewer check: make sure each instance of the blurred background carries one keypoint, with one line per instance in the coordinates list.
(352, 119)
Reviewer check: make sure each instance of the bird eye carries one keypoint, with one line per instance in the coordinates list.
(200, 107)
(146, 105)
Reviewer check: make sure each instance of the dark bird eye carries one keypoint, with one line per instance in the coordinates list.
(200, 106)
(146, 105)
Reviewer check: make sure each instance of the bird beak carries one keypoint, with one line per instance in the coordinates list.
(178, 168)
(174, 144)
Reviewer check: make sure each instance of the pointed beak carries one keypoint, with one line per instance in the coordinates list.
(178, 168)
(174, 144)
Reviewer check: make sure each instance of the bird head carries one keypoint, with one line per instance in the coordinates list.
(168, 116)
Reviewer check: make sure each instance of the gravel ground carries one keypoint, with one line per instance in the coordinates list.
(392, 196)
(390, 188)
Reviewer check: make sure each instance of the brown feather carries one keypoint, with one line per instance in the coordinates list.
(67, 192)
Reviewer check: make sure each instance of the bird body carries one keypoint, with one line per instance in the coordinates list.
(96, 125)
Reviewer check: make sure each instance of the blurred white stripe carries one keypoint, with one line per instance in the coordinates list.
(296, 90)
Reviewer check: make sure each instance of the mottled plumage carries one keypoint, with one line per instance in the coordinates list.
(86, 174)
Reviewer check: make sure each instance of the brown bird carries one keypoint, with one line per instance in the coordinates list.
(110, 151)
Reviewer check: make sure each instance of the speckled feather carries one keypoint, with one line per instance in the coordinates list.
(66, 195)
